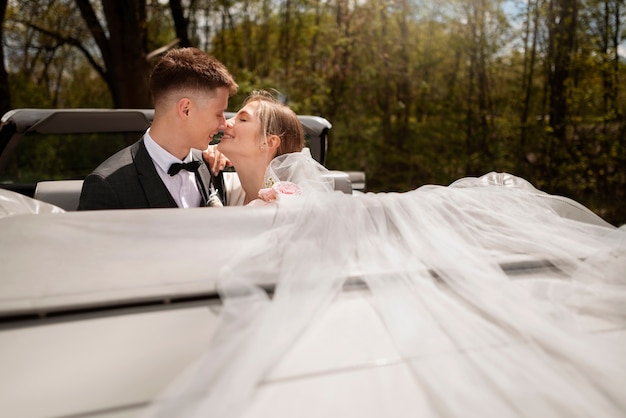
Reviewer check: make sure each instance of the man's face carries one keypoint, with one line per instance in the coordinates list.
(207, 118)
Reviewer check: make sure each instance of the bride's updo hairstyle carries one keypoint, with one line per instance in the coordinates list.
(278, 119)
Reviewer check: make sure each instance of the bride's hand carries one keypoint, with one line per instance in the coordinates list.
(215, 159)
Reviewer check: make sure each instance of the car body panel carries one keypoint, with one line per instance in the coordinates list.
(93, 258)
(113, 365)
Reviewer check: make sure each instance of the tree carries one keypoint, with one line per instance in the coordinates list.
(5, 93)
(122, 43)
(41, 64)
(562, 27)
(530, 41)
(181, 23)
(111, 35)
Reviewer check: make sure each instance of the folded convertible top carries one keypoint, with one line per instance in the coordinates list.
(78, 260)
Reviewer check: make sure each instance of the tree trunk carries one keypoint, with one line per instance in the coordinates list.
(470, 100)
(530, 54)
(181, 24)
(5, 93)
(616, 57)
(405, 91)
(124, 51)
(562, 36)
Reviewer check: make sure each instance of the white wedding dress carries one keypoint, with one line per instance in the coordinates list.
(490, 271)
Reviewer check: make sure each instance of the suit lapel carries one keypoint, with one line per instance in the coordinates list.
(204, 176)
(155, 191)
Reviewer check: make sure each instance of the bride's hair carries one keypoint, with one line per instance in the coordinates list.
(278, 119)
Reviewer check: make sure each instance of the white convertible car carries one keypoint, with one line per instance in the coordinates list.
(101, 311)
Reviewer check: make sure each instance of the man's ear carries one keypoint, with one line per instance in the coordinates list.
(184, 105)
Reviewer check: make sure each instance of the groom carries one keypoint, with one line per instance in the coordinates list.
(165, 169)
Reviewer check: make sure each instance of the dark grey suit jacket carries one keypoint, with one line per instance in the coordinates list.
(129, 180)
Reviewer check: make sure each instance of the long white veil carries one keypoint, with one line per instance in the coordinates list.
(299, 168)
(487, 271)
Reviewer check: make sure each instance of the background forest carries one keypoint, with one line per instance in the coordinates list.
(418, 92)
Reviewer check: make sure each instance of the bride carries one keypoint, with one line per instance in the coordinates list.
(495, 274)
(265, 143)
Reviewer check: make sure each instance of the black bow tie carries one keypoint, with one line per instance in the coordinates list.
(191, 166)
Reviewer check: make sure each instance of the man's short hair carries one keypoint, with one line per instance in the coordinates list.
(189, 69)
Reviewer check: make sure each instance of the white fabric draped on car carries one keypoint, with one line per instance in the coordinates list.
(483, 286)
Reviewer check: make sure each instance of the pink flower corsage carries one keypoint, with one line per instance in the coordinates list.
(273, 193)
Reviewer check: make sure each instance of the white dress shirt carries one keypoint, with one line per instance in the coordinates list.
(182, 186)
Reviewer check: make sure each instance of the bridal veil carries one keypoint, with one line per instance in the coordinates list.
(486, 289)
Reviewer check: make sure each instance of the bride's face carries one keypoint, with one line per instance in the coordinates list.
(243, 135)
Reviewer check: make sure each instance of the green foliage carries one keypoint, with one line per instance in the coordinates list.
(25, 93)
